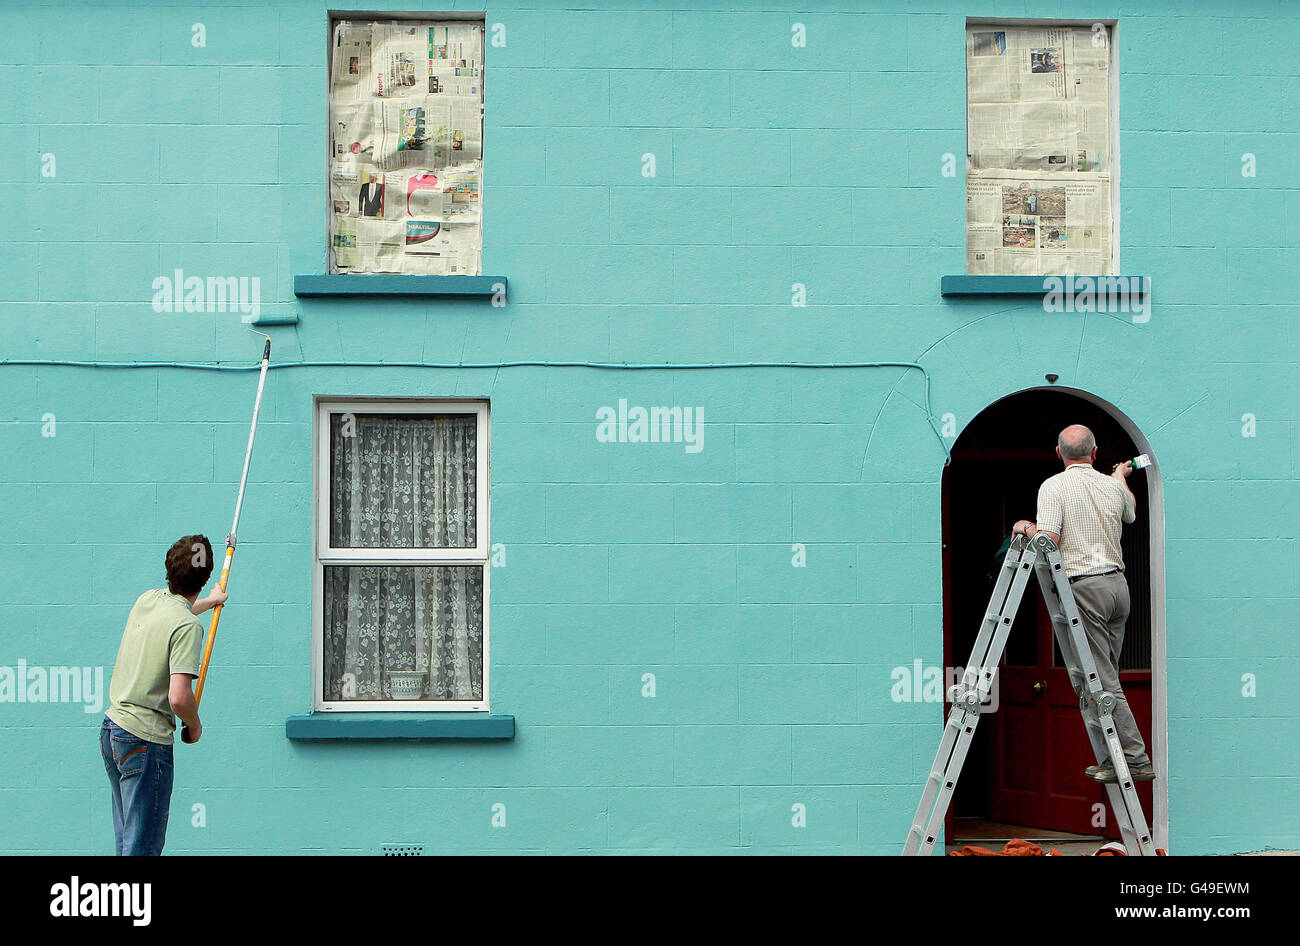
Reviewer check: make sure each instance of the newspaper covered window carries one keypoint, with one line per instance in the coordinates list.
(406, 147)
(1038, 178)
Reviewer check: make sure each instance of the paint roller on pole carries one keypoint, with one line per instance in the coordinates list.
(234, 528)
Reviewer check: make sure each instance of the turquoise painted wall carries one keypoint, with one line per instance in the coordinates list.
(776, 165)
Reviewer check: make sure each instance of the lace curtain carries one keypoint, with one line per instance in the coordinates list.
(403, 481)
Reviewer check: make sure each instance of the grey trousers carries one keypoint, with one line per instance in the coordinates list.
(1103, 606)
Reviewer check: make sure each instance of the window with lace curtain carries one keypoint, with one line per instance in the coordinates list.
(401, 556)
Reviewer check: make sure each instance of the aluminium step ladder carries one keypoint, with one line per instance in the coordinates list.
(1043, 557)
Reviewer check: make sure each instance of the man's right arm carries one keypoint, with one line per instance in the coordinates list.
(1121, 473)
(184, 660)
(184, 705)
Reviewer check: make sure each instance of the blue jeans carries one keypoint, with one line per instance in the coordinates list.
(140, 775)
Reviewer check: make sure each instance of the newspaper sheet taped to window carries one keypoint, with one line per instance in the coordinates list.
(406, 147)
(1038, 180)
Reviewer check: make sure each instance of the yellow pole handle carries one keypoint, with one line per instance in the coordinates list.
(212, 629)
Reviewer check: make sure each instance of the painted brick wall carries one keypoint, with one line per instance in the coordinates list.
(775, 165)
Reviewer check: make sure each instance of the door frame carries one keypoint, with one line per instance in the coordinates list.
(1155, 519)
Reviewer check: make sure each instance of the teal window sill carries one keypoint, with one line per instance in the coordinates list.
(320, 726)
(380, 284)
(1032, 285)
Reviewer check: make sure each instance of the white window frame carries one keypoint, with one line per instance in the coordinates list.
(324, 554)
(1112, 37)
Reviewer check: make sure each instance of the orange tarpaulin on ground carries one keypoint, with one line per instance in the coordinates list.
(1017, 847)
(1013, 848)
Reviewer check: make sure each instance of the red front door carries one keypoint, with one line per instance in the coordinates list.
(1040, 746)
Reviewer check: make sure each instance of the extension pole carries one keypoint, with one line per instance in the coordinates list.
(234, 527)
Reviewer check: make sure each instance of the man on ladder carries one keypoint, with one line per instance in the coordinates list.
(1074, 544)
(1083, 510)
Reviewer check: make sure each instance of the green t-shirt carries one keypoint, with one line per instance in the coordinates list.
(162, 637)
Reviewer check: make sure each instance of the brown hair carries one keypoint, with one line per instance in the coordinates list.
(189, 564)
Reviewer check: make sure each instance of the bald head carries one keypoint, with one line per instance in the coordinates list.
(1076, 443)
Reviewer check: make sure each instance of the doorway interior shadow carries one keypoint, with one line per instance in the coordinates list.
(1025, 765)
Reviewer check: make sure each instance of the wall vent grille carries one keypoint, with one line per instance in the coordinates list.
(401, 849)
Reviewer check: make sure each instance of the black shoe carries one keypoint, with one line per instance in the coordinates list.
(1140, 772)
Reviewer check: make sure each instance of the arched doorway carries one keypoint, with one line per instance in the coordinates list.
(1025, 767)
